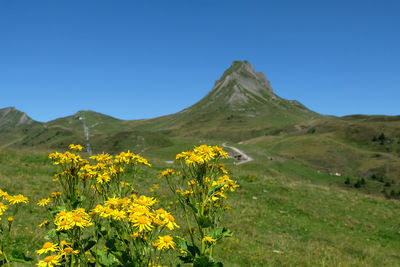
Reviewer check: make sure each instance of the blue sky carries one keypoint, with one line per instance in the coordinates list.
(143, 59)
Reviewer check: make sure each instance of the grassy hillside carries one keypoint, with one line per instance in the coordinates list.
(349, 146)
(284, 213)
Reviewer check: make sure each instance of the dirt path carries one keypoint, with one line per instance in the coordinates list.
(246, 158)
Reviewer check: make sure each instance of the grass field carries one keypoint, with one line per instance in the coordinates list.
(283, 214)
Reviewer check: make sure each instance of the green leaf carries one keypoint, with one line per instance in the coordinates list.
(191, 251)
(19, 256)
(219, 233)
(102, 230)
(204, 221)
(105, 259)
(89, 245)
(191, 205)
(205, 261)
(181, 243)
(51, 235)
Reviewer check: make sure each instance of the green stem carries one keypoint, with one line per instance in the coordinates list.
(203, 248)
(188, 223)
(72, 260)
(5, 257)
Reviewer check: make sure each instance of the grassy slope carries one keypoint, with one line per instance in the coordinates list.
(342, 145)
(283, 214)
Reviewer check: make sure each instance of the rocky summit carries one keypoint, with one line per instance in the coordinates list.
(243, 89)
(11, 118)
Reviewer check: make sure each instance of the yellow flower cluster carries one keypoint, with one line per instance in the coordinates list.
(168, 173)
(75, 147)
(106, 168)
(164, 242)
(221, 185)
(126, 213)
(63, 250)
(228, 183)
(66, 220)
(103, 158)
(129, 158)
(137, 212)
(66, 158)
(3, 208)
(13, 200)
(202, 154)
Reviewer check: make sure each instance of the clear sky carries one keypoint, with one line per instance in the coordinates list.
(143, 59)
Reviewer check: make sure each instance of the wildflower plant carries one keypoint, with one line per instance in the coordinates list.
(98, 218)
(201, 187)
(9, 207)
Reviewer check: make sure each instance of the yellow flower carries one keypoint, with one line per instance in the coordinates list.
(3, 194)
(118, 215)
(104, 158)
(208, 239)
(75, 147)
(103, 178)
(169, 222)
(221, 168)
(68, 220)
(188, 193)
(50, 261)
(145, 201)
(167, 173)
(47, 247)
(134, 235)
(43, 202)
(143, 223)
(124, 184)
(68, 251)
(55, 194)
(17, 199)
(44, 223)
(112, 202)
(164, 242)
(10, 219)
(3, 208)
(1, 252)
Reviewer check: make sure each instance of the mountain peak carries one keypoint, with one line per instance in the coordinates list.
(241, 85)
(242, 68)
(10, 117)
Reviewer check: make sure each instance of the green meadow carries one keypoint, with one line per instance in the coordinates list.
(283, 214)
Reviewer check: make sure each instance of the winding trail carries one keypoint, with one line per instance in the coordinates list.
(244, 155)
